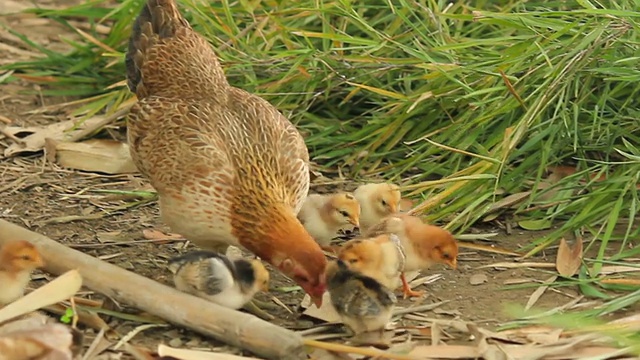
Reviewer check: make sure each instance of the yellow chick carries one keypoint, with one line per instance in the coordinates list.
(214, 277)
(377, 200)
(17, 260)
(422, 244)
(364, 305)
(375, 257)
(324, 215)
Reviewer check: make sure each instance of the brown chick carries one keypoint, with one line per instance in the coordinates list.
(423, 245)
(364, 305)
(377, 200)
(17, 260)
(375, 257)
(229, 169)
(324, 215)
(214, 277)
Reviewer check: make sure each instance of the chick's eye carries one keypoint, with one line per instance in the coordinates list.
(384, 203)
(344, 213)
(446, 256)
(353, 261)
(25, 257)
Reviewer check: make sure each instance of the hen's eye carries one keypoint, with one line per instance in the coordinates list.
(344, 213)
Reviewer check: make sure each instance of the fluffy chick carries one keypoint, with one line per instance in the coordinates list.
(212, 276)
(364, 305)
(375, 257)
(423, 245)
(324, 215)
(17, 260)
(377, 200)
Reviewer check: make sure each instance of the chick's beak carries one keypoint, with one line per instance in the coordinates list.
(393, 208)
(265, 287)
(40, 262)
(354, 222)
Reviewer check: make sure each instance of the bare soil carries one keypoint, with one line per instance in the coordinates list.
(42, 197)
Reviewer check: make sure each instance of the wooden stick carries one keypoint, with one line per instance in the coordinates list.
(229, 326)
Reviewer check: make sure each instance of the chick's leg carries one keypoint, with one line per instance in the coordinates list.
(406, 289)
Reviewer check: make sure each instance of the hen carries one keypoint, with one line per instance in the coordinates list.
(17, 260)
(229, 168)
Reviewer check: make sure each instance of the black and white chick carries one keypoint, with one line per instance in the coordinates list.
(364, 305)
(212, 276)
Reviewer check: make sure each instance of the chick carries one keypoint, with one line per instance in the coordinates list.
(423, 245)
(17, 260)
(364, 305)
(214, 277)
(324, 215)
(375, 257)
(377, 200)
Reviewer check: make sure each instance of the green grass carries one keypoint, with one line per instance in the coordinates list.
(461, 104)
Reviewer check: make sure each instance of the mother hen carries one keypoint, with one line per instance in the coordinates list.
(229, 168)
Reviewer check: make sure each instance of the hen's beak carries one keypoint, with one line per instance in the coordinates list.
(453, 263)
(317, 300)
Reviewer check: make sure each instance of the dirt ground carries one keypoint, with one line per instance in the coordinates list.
(44, 198)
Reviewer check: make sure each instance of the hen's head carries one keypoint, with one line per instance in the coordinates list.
(434, 243)
(287, 245)
(20, 256)
(344, 209)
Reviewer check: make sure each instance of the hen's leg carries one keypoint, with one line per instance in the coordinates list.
(406, 289)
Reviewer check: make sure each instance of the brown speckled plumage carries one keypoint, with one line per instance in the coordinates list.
(228, 167)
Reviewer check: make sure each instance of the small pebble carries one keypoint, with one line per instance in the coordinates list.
(477, 279)
(175, 342)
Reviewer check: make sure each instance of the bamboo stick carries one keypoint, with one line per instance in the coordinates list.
(229, 326)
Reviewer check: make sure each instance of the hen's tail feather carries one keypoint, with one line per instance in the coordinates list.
(157, 17)
(167, 58)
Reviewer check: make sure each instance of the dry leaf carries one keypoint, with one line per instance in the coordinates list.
(539, 291)
(33, 338)
(96, 155)
(617, 269)
(547, 338)
(35, 140)
(514, 265)
(326, 312)
(569, 260)
(509, 201)
(487, 248)
(477, 279)
(156, 235)
(184, 354)
(61, 288)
